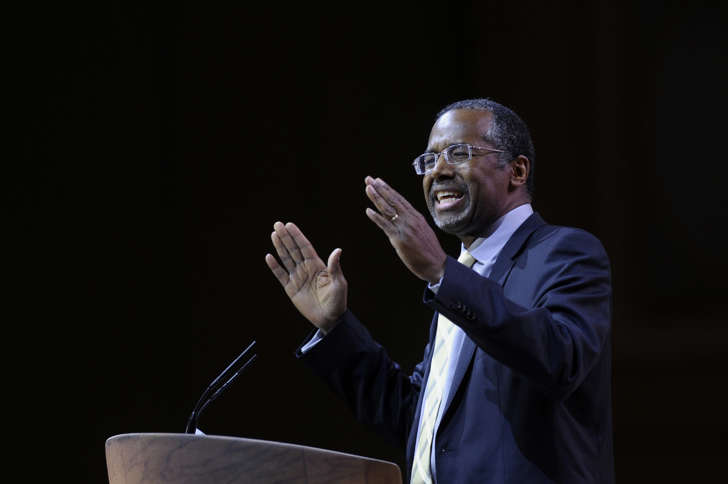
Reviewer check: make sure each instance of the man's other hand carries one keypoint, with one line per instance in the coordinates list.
(408, 231)
(317, 290)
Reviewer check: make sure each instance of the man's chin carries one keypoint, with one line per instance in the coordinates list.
(451, 223)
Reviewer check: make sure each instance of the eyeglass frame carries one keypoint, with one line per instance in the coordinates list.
(447, 157)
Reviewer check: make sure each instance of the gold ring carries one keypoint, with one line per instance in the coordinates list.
(394, 218)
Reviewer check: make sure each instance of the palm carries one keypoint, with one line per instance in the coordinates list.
(314, 292)
(317, 291)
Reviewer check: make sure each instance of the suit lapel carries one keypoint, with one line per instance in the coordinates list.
(501, 269)
(513, 247)
(466, 355)
(426, 375)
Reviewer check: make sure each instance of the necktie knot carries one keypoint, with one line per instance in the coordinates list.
(466, 259)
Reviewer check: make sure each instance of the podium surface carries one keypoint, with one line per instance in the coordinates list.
(197, 459)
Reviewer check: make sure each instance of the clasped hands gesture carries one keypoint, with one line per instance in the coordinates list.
(319, 290)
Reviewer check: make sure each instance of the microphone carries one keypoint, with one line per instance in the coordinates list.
(216, 388)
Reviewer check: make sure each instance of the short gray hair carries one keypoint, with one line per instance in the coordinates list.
(508, 132)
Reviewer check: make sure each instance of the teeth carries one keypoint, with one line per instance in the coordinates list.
(441, 195)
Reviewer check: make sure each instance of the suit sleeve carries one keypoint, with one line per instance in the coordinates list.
(360, 371)
(557, 330)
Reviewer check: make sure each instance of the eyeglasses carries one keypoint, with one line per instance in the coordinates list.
(454, 154)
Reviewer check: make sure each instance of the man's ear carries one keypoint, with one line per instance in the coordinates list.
(520, 167)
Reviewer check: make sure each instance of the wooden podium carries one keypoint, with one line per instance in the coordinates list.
(209, 459)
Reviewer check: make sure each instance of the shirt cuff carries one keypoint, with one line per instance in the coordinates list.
(318, 336)
(435, 287)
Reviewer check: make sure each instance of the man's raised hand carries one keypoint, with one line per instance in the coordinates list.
(317, 290)
(408, 231)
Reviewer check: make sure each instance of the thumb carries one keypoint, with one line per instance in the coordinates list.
(334, 264)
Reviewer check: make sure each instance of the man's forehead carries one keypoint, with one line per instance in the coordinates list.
(459, 126)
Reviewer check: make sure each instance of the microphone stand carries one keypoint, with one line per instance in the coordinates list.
(216, 388)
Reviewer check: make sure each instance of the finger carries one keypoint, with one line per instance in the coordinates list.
(288, 242)
(277, 270)
(381, 222)
(397, 202)
(334, 264)
(393, 197)
(381, 204)
(307, 250)
(283, 254)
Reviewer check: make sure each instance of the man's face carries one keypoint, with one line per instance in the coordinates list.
(464, 199)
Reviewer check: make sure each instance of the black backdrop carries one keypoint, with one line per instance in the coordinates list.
(159, 143)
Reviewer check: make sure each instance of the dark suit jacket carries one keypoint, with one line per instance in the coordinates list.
(531, 396)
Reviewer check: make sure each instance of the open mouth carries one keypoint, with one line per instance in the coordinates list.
(446, 199)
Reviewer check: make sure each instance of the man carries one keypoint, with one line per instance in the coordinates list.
(515, 385)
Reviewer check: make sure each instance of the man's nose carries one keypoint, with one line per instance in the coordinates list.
(442, 168)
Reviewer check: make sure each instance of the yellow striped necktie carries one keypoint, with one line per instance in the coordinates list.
(433, 392)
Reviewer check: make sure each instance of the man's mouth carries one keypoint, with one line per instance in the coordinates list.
(447, 199)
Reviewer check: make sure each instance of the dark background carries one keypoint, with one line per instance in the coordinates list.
(159, 143)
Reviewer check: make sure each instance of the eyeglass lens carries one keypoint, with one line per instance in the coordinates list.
(458, 153)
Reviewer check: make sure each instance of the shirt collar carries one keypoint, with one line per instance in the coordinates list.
(484, 248)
